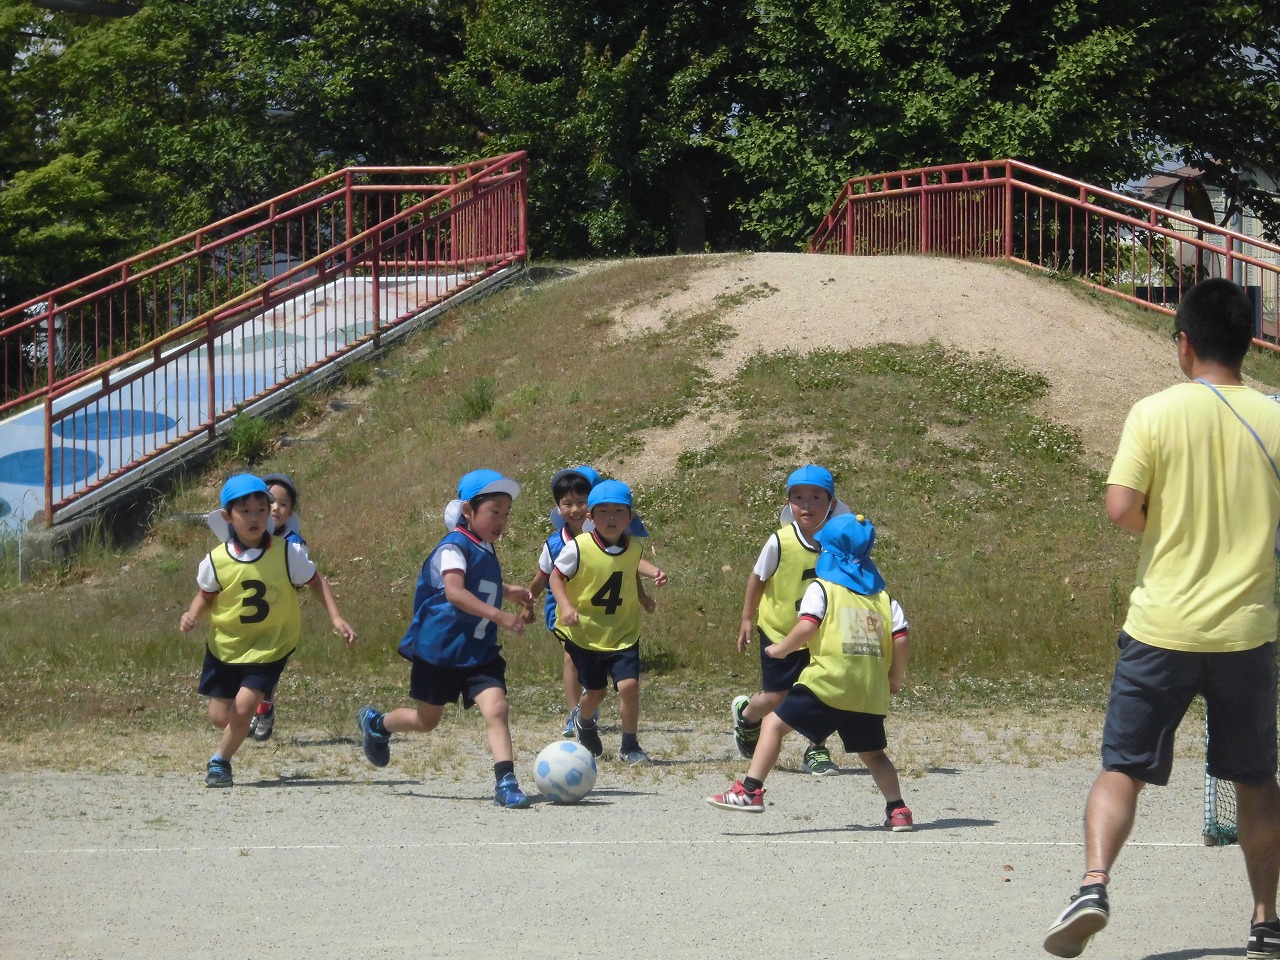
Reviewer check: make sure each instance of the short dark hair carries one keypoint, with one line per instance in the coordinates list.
(479, 499)
(570, 483)
(1216, 316)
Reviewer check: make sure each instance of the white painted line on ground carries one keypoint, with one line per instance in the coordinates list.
(742, 841)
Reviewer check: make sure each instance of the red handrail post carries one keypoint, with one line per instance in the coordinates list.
(1008, 210)
(347, 201)
(924, 218)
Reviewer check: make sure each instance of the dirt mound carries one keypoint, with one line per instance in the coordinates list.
(1097, 364)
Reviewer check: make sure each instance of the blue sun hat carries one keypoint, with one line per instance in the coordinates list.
(609, 491)
(815, 476)
(475, 484)
(479, 482)
(241, 485)
(846, 554)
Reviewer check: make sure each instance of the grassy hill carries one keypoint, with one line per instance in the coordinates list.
(991, 531)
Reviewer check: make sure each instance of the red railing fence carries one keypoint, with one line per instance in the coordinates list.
(1004, 209)
(114, 341)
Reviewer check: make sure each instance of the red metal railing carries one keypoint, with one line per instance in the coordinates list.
(1131, 249)
(112, 341)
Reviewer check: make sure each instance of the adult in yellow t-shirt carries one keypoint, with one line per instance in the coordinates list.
(1195, 475)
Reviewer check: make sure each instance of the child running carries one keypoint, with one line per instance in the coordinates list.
(452, 640)
(248, 585)
(598, 593)
(570, 488)
(783, 570)
(285, 525)
(859, 644)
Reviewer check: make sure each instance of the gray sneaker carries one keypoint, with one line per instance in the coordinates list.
(636, 757)
(262, 724)
(817, 761)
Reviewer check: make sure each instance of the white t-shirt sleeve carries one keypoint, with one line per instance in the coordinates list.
(206, 577)
(301, 566)
(814, 602)
(545, 563)
(900, 624)
(567, 562)
(448, 557)
(767, 563)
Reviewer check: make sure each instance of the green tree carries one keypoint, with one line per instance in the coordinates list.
(834, 88)
(122, 133)
(621, 107)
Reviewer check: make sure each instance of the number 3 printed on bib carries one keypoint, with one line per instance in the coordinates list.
(253, 601)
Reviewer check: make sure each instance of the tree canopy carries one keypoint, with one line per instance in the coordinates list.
(651, 128)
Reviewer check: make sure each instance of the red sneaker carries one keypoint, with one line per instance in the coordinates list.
(739, 798)
(900, 821)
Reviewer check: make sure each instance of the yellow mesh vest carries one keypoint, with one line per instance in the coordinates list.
(849, 658)
(256, 616)
(606, 596)
(780, 602)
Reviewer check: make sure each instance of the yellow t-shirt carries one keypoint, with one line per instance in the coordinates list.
(780, 600)
(606, 593)
(256, 616)
(850, 656)
(1206, 570)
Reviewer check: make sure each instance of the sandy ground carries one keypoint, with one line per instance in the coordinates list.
(342, 861)
(383, 864)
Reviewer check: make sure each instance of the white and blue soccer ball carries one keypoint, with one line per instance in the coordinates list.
(565, 772)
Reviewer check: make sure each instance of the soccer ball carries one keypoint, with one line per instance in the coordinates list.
(565, 772)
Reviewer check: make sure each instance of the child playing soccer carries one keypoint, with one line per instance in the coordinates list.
(286, 526)
(598, 594)
(452, 640)
(570, 488)
(249, 586)
(859, 644)
(783, 570)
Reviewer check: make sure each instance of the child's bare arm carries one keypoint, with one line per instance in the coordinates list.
(646, 601)
(456, 592)
(518, 594)
(750, 604)
(200, 605)
(320, 587)
(898, 666)
(536, 586)
(658, 576)
(804, 631)
(568, 613)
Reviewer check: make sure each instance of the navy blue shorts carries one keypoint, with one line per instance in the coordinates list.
(779, 676)
(804, 713)
(595, 667)
(222, 681)
(439, 685)
(1151, 691)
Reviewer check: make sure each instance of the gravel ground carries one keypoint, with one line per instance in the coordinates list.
(382, 864)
